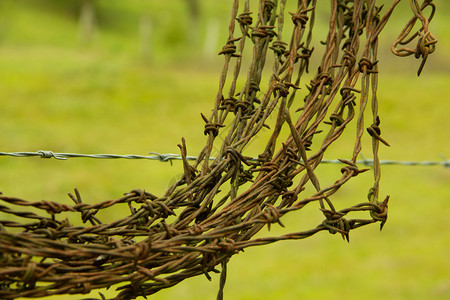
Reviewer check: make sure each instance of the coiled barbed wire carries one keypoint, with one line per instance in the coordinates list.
(221, 202)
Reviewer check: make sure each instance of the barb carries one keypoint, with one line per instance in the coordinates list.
(169, 157)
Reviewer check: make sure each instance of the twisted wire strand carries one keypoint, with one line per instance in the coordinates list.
(64, 156)
(169, 157)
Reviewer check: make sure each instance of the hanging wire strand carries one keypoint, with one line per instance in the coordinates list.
(169, 157)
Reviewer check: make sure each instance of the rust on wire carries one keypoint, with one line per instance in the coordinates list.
(224, 198)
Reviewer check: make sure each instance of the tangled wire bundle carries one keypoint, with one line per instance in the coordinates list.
(220, 203)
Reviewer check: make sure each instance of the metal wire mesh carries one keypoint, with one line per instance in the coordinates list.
(217, 207)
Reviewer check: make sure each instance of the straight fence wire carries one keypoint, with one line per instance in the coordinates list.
(220, 204)
(169, 157)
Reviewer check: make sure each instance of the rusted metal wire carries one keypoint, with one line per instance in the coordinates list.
(217, 207)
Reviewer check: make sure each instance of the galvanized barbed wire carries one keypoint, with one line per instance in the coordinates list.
(169, 157)
(223, 200)
(63, 156)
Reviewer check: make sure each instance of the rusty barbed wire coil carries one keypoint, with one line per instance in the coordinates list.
(222, 201)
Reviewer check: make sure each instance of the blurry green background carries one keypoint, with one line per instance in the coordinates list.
(134, 78)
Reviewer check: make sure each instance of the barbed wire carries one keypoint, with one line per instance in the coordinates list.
(217, 208)
(169, 157)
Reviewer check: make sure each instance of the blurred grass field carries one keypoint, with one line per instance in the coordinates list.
(105, 97)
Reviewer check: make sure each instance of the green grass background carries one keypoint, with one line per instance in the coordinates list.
(105, 97)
